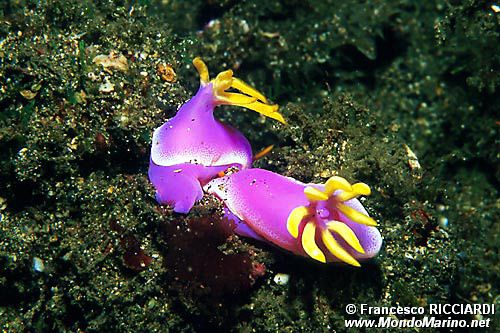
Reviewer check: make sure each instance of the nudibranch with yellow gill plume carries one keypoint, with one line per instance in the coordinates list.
(193, 147)
(325, 222)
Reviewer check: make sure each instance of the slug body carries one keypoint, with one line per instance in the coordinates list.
(193, 147)
(324, 222)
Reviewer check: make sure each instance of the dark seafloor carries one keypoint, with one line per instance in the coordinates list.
(402, 95)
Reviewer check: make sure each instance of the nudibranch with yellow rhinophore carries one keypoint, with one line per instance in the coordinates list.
(193, 147)
(325, 222)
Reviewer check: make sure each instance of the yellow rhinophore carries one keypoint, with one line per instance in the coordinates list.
(346, 233)
(337, 191)
(337, 250)
(309, 244)
(313, 194)
(294, 219)
(249, 97)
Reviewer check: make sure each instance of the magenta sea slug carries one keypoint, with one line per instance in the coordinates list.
(193, 147)
(324, 222)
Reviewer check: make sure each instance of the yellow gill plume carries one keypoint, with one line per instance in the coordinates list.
(341, 229)
(249, 97)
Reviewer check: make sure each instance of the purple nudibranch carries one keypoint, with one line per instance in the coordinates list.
(324, 222)
(193, 147)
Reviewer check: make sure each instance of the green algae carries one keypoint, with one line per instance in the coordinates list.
(362, 85)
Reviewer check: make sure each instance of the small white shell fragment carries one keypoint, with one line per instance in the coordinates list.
(413, 162)
(107, 87)
(281, 279)
(443, 222)
(38, 265)
(111, 61)
(22, 152)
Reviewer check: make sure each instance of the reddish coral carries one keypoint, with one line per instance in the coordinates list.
(424, 223)
(101, 143)
(202, 259)
(258, 270)
(134, 257)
